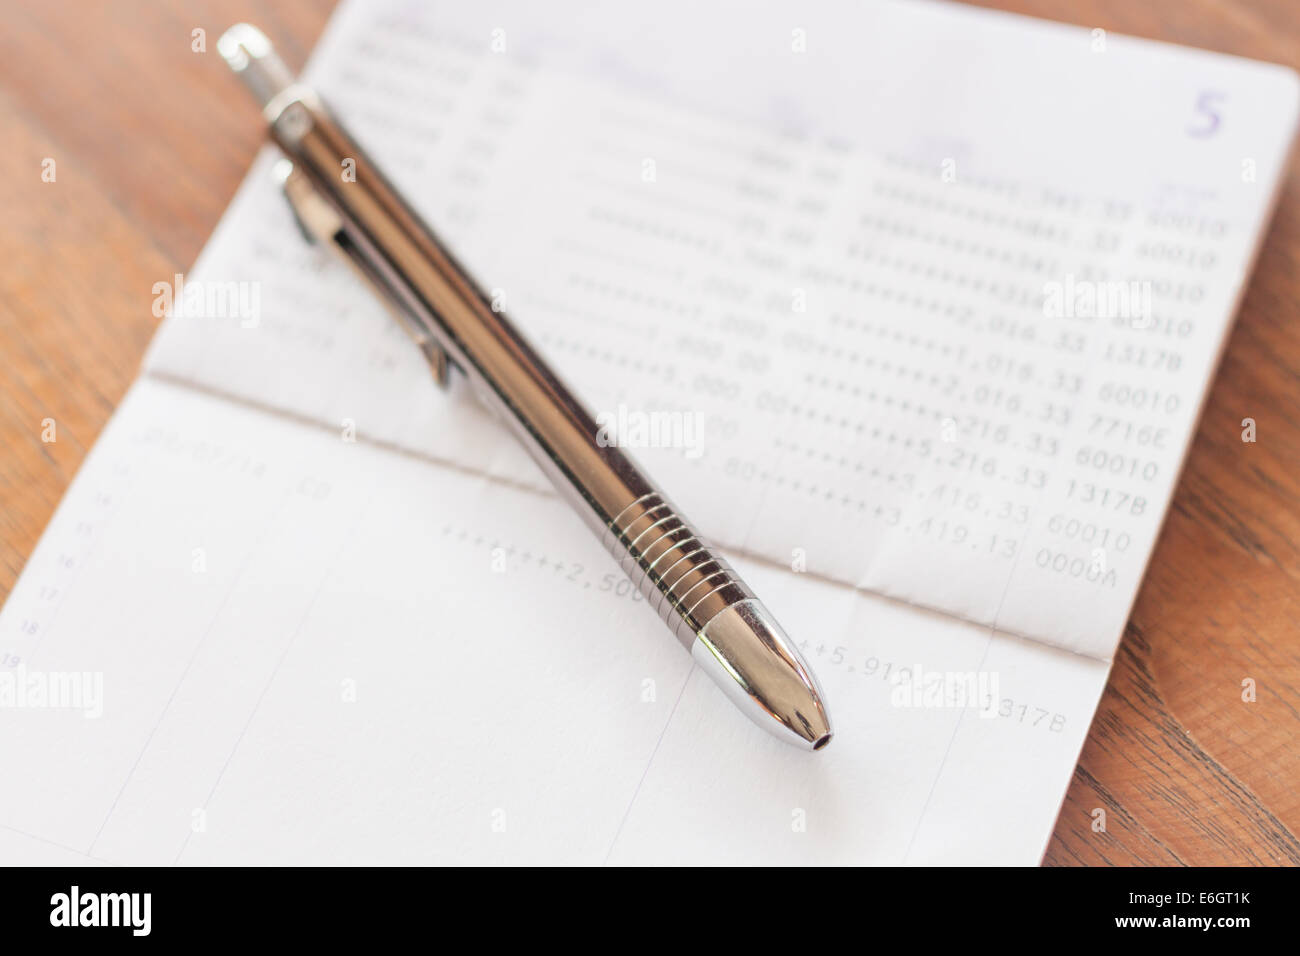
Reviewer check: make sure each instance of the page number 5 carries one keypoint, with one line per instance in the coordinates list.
(1207, 119)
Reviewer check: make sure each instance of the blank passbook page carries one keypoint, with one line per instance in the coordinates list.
(324, 612)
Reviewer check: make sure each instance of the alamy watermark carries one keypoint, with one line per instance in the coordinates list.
(127, 910)
(198, 299)
(1088, 299)
(53, 690)
(629, 428)
(918, 688)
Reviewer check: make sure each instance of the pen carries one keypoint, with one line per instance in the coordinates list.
(729, 633)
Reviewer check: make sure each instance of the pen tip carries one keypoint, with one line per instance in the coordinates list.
(251, 55)
(747, 654)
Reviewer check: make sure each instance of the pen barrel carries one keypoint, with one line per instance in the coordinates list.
(682, 577)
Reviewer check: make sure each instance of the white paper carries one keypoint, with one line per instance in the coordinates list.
(865, 340)
(321, 652)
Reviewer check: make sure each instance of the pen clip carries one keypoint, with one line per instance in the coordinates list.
(321, 223)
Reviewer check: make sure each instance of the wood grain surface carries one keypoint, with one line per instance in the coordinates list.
(150, 140)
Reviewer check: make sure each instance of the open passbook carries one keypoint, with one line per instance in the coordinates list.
(946, 289)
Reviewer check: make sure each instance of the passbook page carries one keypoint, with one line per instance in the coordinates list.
(943, 301)
(274, 646)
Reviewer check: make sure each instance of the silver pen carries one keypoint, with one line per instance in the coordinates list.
(729, 633)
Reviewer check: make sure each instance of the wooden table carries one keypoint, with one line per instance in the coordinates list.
(150, 139)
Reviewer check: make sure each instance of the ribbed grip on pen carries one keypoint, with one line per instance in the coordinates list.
(684, 579)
